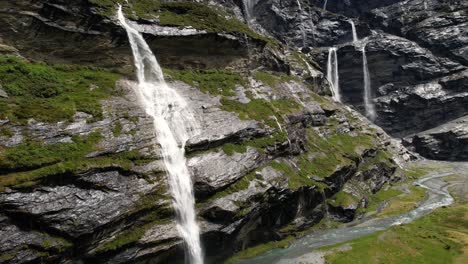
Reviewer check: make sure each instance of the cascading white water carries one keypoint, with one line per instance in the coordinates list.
(248, 10)
(332, 74)
(174, 124)
(301, 25)
(368, 103)
(353, 29)
(325, 5)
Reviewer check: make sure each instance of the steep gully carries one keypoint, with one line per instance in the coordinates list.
(437, 196)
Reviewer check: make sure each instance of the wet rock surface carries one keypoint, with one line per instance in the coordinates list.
(416, 54)
(259, 175)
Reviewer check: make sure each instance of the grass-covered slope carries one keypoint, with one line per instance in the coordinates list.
(52, 93)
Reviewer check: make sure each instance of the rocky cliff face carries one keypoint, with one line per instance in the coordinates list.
(81, 176)
(416, 53)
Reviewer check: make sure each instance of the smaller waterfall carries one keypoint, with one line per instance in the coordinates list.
(248, 10)
(325, 5)
(368, 103)
(282, 130)
(353, 29)
(301, 26)
(332, 74)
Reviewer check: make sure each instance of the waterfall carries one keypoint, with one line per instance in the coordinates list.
(353, 29)
(368, 104)
(325, 5)
(174, 123)
(248, 10)
(332, 74)
(301, 26)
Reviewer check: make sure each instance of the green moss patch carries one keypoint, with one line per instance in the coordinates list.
(52, 93)
(261, 110)
(35, 154)
(28, 164)
(215, 82)
(343, 199)
(272, 80)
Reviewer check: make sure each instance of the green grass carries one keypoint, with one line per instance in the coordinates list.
(343, 199)
(230, 148)
(272, 80)
(51, 93)
(117, 129)
(35, 154)
(257, 250)
(325, 155)
(404, 203)
(436, 238)
(28, 164)
(379, 197)
(261, 110)
(295, 178)
(181, 14)
(215, 82)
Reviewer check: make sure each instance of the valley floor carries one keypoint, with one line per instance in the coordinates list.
(438, 237)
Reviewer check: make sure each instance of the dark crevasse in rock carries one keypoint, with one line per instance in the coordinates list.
(81, 175)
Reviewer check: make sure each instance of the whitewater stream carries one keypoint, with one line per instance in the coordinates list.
(174, 124)
(298, 252)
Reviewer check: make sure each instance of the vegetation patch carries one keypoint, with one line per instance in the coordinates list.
(343, 199)
(262, 248)
(272, 80)
(404, 203)
(438, 237)
(181, 14)
(215, 82)
(379, 197)
(35, 154)
(295, 178)
(51, 93)
(28, 164)
(261, 109)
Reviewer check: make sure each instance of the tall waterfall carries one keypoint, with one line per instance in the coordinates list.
(332, 74)
(368, 103)
(353, 29)
(174, 123)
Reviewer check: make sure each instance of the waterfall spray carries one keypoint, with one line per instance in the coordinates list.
(368, 104)
(332, 74)
(174, 124)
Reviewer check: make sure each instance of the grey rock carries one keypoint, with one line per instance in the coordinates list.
(215, 170)
(3, 93)
(445, 142)
(75, 209)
